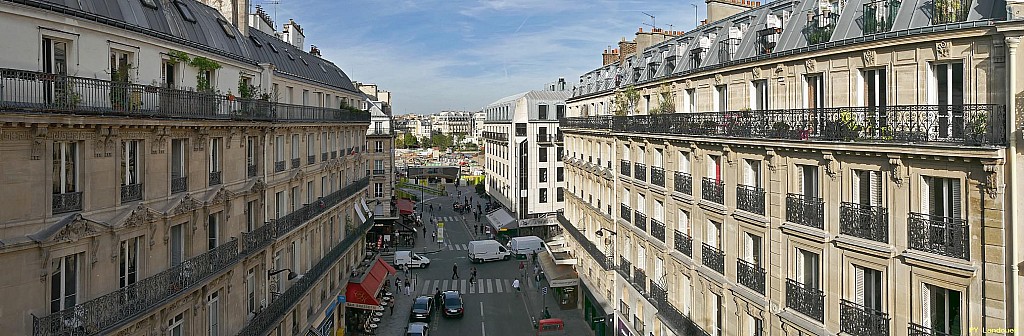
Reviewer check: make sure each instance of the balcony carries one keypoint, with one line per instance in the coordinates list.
(623, 307)
(658, 230)
(975, 125)
(727, 49)
(559, 137)
(310, 159)
(750, 275)
(278, 166)
(179, 184)
(587, 245)
(864, 221)
(807, 301)
(767, 39)
(950, 11)
(334, 155)
(543, 138)
(250, 170)
(697, 56)
(806, 211)
(858, 320)
(378, 172)
(625, 212)
(683, 243)
(683, 183)
(914, 329)
(639, 280)
(671, 315)
(940, 235)
(638, 325)
(640, 220)
(295, 163)
(215, 178)
(640, 171)
(820, 26)
(879, 16)
(495, 136)
(713, 258)
(750, 199)
(36, 92)
(713, 190)
(309, 211)
(131, 192)
(624, 268)
(323, 156)
(624, 167)
(67, 202)
(658, 176)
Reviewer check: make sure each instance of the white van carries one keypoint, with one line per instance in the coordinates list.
(487, 250)
(525, 246)
(412, 259)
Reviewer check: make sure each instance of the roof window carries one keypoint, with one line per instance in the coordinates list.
(289, 55)
(272, 47)
(149, 3)
(228, 29)
(186, 13)
(256, 41)
(303, 61)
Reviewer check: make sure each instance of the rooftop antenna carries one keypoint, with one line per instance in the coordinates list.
(654, 23)
(275, 3)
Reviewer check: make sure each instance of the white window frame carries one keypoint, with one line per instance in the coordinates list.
(66, 161)
(131, 169)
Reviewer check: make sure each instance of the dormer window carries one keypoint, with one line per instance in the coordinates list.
(820, 26)
(879, 15)
(186, 13)
(728, 47)
(768, 37)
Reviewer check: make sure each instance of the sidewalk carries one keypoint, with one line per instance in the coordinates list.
(536, 301)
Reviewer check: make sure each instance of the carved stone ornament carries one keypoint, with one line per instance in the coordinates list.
(772, 160)
(200, 143)
(160, 143)
(780, 70)
(76, 229)
(896, 171)
(186, 205)
(141, 215)
(869, 57)
(718, 79)
(756, 72)
(38, 141)
(810, 65)
(942, 49)
(258, 186)
(830, 166)
(689, 84)
(991, 186)
(222, 196)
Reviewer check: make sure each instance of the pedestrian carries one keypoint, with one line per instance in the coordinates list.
(534, 257)
(473, 277)
(405, 269)
(408, 289)
(392, 309)
(522, 268)
(455, 271)
(433, 235)
(438, 297)
(398, 285)
(535, 270)
(515, 284)
(424, 233)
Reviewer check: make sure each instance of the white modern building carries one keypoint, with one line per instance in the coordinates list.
(479, 119)
(452, 123)
(523, 146)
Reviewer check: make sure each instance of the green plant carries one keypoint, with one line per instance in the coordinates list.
(781, 129)
(625, 101)
(178, 56)
(121, 94)
(65, 95)
(667, 102)
(206, 67)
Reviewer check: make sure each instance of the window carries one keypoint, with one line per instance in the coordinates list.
(867, 287)
(279, 148)
(179, 158)
(659, 211)
(543, 195)
(296, 199)
(542, 112)
(281, 203)
(213, 230)
(755, 326)
(215, 154)
(940, 197)
(250, 290)
(690, 95)
(560, 194)
(940, 308)
(560, 152)
(560, 111)
(130, 169)
(685, 290)
(186, 13)
(379, 146)
(759, 99)
(520, 129)
(168, 73)
(310, 145)
(814, 97)
(542, 154)
(684, 162)
(874, 89)
(641, 257)
(129, 261)
(305, 93)
(717, 315)
(120, 71)
(752, 173)
(714, 168)
(175, 326)
(806, 268)
(296, 257)
(213, 314)
(295, 146)
(721, 98)
(752, 249)
(807, 180)
(65, 167)
(867, 187)
(64, 282)
(55, 54)
(713, 234)
(542, 175)
(683, 221)
(177, 244)
(251, 217)
(325, 138)
(378, 190)
(559, 174)
(949, 96)
(250, 154)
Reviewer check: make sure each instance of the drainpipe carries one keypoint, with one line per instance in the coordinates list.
(1011, 167)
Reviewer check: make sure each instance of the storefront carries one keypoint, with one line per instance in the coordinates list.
(503, 226)
(365, 295)
(594, 311)
(329, 325)
(562, 279)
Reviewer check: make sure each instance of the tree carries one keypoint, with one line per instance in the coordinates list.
(441, 140)
(667, 103)
(625, 101)
(410, 140)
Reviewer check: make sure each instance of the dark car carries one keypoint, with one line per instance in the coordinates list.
(422, 308)
(453, 304)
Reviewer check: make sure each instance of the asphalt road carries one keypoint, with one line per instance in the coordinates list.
(491, 306)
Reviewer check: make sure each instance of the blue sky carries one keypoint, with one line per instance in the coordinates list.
(438, 55)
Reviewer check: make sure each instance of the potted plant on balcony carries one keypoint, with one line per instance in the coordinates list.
(780, 129)
(845, 128)
(946, 11)
(976, 130)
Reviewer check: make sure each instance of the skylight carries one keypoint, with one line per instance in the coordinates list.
(272, 47)
(186, 13)
(149, 3)
(256, 41)
(228, 30)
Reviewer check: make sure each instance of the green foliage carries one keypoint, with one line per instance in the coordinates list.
(441, 140)
(625, 101)
(65, 94)
(410, 140)
(120, 89)
(179, 56)
(204, 64)
(667, 100)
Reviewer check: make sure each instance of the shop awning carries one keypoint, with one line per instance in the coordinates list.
(557, 275)
(362, 292)
(359, 212)
(404, 206)
(502, 220)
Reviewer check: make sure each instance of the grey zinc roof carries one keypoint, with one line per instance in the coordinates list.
(301, 65)
(548, 95)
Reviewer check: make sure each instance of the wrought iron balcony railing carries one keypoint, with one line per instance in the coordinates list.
(950, 11)
(37, 92)
(309, 211)
(624, 167)
(334, 155)
(683, 183)
(638, 325)
(914, 329)
(323, 156)
(131, 192)
(713, 258)
(545, 138)
(587, 245)
(378, 172)
(806, 300)
(279, 166)
(559, 137)
(857, 320)
(623, 307)
(658, 176)
(750, 199)
(215, 178)
(864, 221)
(67, 202)
(683, 243)
(295, 163)
(805, 210)
(974, 125)
(495, 136)
(727, 49)
(767, 39)
(940, 235)
(820, 26)
(640, 171)
(750, 275)
(672, 315)
(179, 184)
(640, 220)
(310, 159)
(625, 212)
(879, 16)
(624, 269)
(250, 170)
(639, 280)
(658, 230)
(713, 190)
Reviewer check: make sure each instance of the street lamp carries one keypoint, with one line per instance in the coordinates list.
(291, 275)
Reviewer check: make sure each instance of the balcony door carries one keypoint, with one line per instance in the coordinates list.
(875, 93)
(807, 181)
(940, 197)
(867, 288)
(806, 268)
(867, 187)
(948, 90)
(940, 308)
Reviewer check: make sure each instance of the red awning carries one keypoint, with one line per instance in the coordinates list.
(405, 206)
(362, 293)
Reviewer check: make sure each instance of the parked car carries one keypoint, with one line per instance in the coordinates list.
(487, 250)
(417, 329)
(422, 309)
(412, 259)
(525, 246)
(453, 304)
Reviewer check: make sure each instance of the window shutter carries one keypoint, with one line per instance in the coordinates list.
(748, 248)
(926, 306)
(799, 179)
(956, 198)
(856, 186)
(798, 265)
(711, 166)
(858, 285)
(748, 173)
(926, 194)
(876, 188)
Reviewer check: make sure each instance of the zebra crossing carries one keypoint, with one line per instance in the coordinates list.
(482, 286)
(457, 247)
(448, 219)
